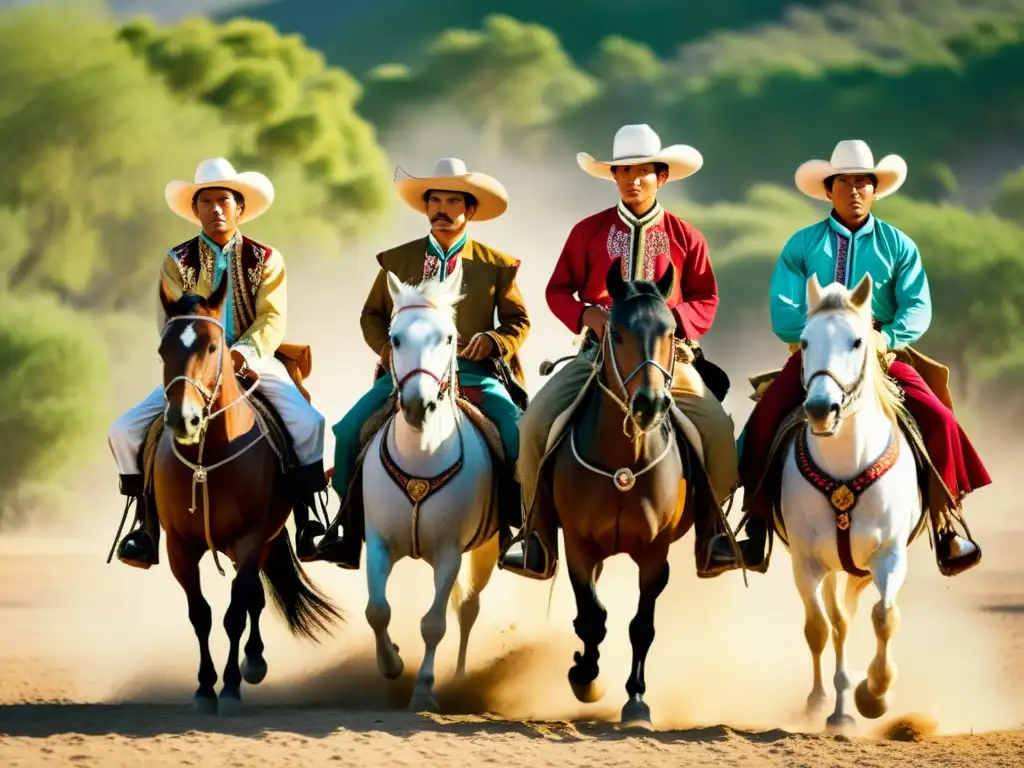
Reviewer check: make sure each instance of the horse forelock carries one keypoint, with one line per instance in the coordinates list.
(642, 305)
(436, 295)
(188, 304)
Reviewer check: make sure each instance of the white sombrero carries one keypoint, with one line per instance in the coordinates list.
(638, 144)
(218, 172)
(450, 174)
(851, 156)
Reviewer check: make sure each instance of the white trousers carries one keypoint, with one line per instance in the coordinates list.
(305, 423)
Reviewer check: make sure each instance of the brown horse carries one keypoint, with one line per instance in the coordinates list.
(618, 480)
(218, 485)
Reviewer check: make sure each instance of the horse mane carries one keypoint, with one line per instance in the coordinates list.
(431, 292)
(186, 305)
(640, 289)
(836, 298)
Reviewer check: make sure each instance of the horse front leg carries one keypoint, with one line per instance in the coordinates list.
(809, 576)
(654, 572)
(254, 665)
(184, 564)
(888, 572)
(840, 615)
(433, 626)
(379, 564)
(243, 587)
(590, 623)
(482, 561)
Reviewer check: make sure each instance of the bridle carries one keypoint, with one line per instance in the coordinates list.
(445, 382)
(200, 473)
(850, 393)
(630, 428)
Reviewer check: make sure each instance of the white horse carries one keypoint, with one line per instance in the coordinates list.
(428, 494)
(851, 435)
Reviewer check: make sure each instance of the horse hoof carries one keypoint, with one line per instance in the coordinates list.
(229, 706)
(636, 716)
(840, 722)
(870, 706)
(253, 670)
(816, 706)
(424, 702)
(587, 693)
(204, 705)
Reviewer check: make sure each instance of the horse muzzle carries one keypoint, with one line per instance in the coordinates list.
(415, 411)
(185, 422)
(648, 407)
(822, 416)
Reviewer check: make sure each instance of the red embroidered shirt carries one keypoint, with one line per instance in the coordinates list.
(644, 247)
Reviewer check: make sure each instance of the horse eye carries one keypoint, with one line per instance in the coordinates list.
(449, 339)
(395, 342)
(803, 343)
(213, 348)
(857, 343)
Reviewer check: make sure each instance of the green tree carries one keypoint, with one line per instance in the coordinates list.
(53, 366)
(1009, 201)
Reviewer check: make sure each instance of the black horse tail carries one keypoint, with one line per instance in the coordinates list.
(307, 610)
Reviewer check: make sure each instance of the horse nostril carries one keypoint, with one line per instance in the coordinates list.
(194, 421)
(431, 406)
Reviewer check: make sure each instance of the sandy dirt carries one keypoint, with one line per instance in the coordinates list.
(98, 662)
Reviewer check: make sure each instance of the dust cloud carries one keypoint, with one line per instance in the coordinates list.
(723, 653)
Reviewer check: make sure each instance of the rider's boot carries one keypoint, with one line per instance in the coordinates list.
(532, 555)
(306, 483)
(344, 550)
(713, 548)
(140, 548)
(953, 553)
(752, 548)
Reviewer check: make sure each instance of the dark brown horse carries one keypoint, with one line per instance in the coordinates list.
(618, 482)
(219, 485)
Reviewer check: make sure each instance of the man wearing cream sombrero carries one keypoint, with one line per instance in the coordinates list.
(218, 200)
(488, 353)
(645, 239)
(850, 243)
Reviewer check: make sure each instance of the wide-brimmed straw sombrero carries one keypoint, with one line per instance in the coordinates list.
(639, 144)
(451, 174)
(851, 156)
(218, 172)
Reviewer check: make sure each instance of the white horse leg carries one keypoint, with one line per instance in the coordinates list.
(809, 576)
(378, 610)
(888, 571)
(466, 597)
(840, 617)
(433, 626)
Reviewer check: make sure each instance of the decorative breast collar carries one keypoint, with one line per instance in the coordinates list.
(417, 489)
(844, 495)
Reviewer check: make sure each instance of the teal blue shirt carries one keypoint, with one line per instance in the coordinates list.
(901, 300)
(221, 272)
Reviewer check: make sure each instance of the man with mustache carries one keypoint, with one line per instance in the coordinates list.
(489, 370)
(850, 243)
(645, 239)
(254, 318)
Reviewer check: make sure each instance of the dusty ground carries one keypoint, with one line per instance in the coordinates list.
(97, 666)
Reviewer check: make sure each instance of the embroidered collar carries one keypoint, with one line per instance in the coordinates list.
(439, 263)
(639, 222)
(840, 229)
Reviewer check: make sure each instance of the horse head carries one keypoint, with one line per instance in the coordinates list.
(640, 343)
(838, 349)
(423, 344)
(193, 347)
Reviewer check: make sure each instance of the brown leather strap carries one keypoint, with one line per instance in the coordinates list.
(844, 496)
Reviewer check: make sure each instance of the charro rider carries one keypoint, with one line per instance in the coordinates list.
(254, 317)
(646, 238)
(488, 354)
(844, 247)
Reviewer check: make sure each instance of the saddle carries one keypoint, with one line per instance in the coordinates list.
(278, 436)
(468, 403)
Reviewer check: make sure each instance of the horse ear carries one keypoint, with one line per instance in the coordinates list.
(394, 285)
(813, 292)
(861, 296)
(216, 299)
(667, 281)
(613, 281)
